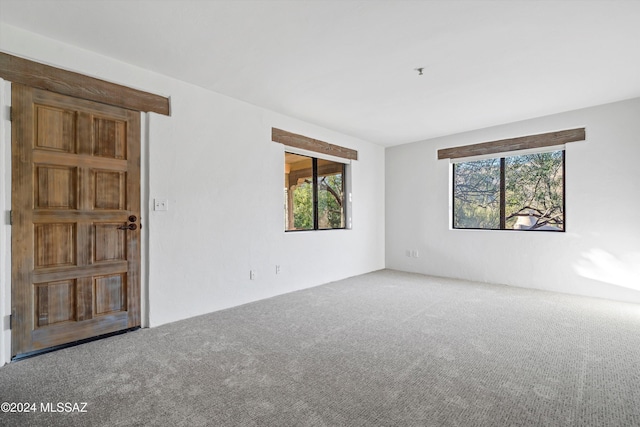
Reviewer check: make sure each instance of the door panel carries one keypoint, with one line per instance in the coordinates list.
(76, 182)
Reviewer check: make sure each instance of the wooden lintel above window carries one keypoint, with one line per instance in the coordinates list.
(41, 76)
(514, 144)
(315, 145)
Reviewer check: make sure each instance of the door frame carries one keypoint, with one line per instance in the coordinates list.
(5, 227)
(19, 70)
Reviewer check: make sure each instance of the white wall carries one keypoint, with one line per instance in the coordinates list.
(598, 255)
(214, 161)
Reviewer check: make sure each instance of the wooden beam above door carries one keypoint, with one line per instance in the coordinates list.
(41, 76)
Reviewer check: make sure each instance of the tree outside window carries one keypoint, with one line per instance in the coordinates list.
(523, 192)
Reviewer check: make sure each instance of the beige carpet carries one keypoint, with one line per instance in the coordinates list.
(382, 349)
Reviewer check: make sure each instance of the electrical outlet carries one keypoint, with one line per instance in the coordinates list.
(252, 274)
(160, 204)
(277, 269)
(408, 253)
(415, 253)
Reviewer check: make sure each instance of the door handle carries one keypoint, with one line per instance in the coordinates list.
(128, 227)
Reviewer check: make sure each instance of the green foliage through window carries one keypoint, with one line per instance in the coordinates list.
(303, 206)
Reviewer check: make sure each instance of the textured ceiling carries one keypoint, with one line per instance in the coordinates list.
(349, 65)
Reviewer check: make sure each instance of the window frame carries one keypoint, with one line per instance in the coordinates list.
(315, 191)
(502, 189)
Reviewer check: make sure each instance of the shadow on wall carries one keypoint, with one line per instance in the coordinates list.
(600, 265)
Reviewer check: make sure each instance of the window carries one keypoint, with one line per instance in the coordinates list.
(524, 192)
(511, 192)
(314, 193)
(314, 187)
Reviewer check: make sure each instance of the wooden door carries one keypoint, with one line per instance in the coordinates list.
(75, 241)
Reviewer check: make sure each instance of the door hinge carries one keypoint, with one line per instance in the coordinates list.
(10, 114)
(11, 321)
(10, 217)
